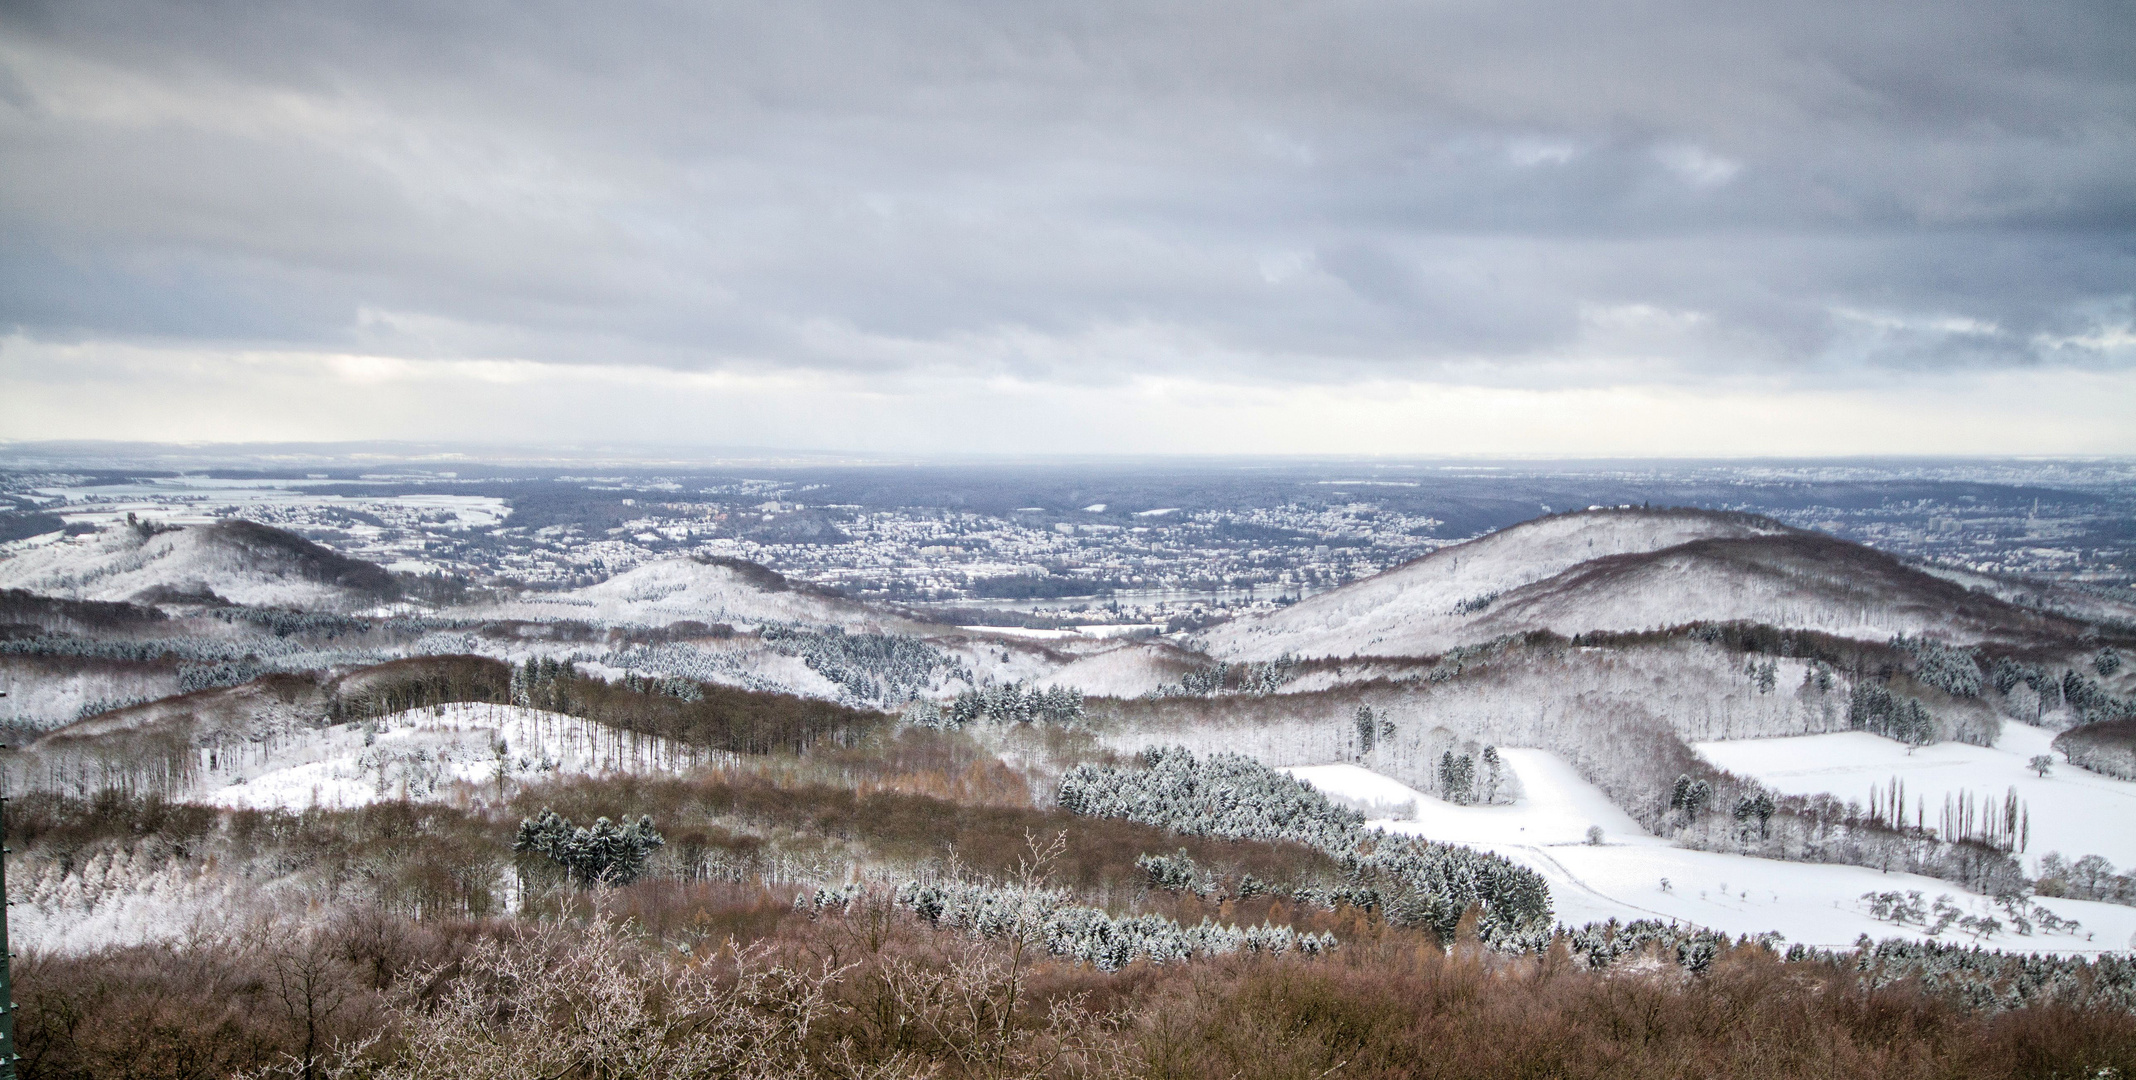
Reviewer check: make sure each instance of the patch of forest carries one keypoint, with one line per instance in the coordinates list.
(699, 714)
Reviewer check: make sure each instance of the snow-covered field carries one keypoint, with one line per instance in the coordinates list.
(1124, 670)
(1090, 630)
(429, 753)
(1035, 633)
(1363, 790)
(1632, 875)
(2073, 811)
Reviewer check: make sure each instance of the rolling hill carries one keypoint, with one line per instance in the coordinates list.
(233, 562)
(707, 590)
(1630, 570)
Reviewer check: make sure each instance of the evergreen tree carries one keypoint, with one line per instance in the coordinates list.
(1494, 774)
(607, 853)
(1951, 670)
(1457, 777)
(1758, 807)
(1689, 796)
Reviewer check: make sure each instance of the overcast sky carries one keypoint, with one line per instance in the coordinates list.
(1340, 226)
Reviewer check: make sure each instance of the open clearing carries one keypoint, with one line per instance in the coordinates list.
(1623, 877)
(2074, 811)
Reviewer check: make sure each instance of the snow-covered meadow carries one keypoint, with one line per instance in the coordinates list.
(1634, 875)
(2072, 811)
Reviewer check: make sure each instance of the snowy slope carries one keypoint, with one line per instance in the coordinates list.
(1621, 878)
(1413, 608)
(237, 561)
(1123, 671)
(2046, 595)
(1365, 791)
(1800, 581)
(1629, 570)
(674, 590)
(2073, 812)
(124, 897)
(430, 753)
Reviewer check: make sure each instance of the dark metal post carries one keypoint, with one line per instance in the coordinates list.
(8, 1057)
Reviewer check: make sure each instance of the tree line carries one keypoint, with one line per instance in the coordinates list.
(712, 716)
(1412, 882)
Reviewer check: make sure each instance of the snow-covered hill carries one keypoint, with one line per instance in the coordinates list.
(238, 562)
(729, 591)
(1419, 606)
(431, 753)
(133, 894)
(1628, 570)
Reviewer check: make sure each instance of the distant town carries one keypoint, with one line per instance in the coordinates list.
(1156, 545)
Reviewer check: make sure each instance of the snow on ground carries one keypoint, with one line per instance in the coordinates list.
(671, 590)
(1096, 631)
(2074, 812)
(1036, 633)
(1555, 807)
(1411, 609)
(199, 500)
(425, 753)
(1113, 630)
(1632, 875)
(1123, 671)
(1565, 574)
(121, 564)
(127, 897)
(1361, 789)
(740, 661)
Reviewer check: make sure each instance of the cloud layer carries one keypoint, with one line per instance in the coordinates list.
(901, 213)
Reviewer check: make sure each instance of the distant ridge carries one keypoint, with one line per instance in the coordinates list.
(1631, 569)
(701, 588)
(227, 562)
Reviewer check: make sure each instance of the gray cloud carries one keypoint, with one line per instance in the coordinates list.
(1260, 190)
